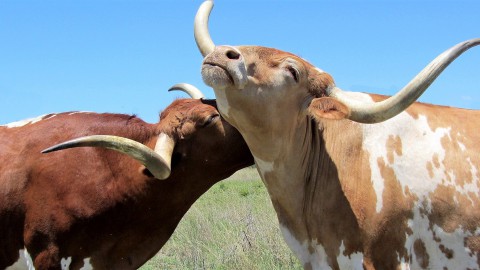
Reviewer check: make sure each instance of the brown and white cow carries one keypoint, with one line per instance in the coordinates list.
(95, 208)
(351, 191)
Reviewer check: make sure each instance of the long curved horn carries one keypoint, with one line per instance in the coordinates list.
(201, 33)
(158, 162)
(386, 109)
(191, 90)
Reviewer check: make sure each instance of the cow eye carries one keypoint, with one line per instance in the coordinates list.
(210, 120)
(294, 72)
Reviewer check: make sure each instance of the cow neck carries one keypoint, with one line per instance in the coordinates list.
(304, 186)
(287, 162)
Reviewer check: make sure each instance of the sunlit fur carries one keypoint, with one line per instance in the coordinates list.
(403, 193)
(93, 207)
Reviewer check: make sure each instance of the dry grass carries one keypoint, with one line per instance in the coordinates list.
(233, 226)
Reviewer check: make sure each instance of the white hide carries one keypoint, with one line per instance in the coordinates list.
(352, 261)
(86, 265)
(34, 120)
(434, 237)
(65, 264)
(222, 103)
(420, 146)
(263, 167)
(28, 121)
(317, 260)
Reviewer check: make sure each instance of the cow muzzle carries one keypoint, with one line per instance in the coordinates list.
(223, 67)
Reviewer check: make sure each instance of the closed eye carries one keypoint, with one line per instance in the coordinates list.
(210, 120)
(294, 73)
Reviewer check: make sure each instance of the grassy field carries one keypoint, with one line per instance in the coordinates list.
(232, 226)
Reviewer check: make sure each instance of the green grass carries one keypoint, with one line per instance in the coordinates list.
(232, 226)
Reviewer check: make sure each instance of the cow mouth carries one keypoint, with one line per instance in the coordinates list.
(214, 74)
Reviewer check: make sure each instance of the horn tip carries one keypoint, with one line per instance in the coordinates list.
(50, 149)
(179, 86)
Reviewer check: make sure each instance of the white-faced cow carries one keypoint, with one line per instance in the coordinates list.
(95, 208)
(351, 191)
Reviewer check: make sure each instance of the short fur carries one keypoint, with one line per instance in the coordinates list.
(401, 194)
(97, 204)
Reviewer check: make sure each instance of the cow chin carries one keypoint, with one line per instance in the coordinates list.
(216, 77)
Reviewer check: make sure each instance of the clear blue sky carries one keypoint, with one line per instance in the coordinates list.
(122, 56)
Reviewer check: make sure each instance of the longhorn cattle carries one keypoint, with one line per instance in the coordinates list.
(352, 191)
(95, 208)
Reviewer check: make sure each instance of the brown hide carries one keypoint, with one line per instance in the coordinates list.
(97, 204)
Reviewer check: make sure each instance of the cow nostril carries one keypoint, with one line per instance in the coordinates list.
(233, 55)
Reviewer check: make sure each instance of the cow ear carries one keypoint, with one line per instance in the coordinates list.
(328, 108)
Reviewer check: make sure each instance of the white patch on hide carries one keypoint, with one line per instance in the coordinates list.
(65, 263)
(420, 145)
(80, 112)
(462, 146)
(222, 103)
(86, 265)
(317, 260)
(319, 70)
(28, 121)
(434, 237)
(263, 167)
(352, 261)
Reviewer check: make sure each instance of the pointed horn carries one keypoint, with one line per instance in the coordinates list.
(158, 162)
(386, 109)
(201, 33)
(191, 90)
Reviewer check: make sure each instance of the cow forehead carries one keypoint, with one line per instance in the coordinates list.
(183, 116)
(265, 52)
(270, 56)
(189, 109)
(265, 65)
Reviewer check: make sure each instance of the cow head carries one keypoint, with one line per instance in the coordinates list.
(191, 133)
(203, 139)
(247, 78)
(272, 84)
